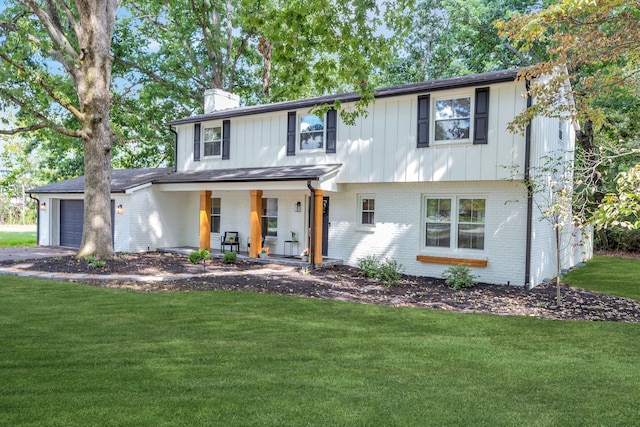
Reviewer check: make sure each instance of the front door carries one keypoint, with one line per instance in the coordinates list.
(325, 226)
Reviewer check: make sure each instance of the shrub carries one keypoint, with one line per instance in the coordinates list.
(369, 265)
(196, 256)
(458, 277)
(93, 262)
(230, 257)
(389, 272)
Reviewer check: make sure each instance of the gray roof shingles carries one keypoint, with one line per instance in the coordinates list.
(407, 89)
(125, 179)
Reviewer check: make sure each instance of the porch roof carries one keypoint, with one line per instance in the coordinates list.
(277, 173)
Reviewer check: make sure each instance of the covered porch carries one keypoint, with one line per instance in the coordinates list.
(243, 200)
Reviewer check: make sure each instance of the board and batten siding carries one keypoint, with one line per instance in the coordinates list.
(380, 147)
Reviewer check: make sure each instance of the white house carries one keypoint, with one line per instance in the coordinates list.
(430, 177)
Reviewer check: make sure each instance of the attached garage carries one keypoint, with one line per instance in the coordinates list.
(71, 218)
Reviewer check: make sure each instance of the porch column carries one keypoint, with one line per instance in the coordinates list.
(205, 219)
(255, 223)
(317, 233)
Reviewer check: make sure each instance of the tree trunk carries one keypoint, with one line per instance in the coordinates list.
(93, 81)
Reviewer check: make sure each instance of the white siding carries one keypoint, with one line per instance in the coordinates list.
(380, 147)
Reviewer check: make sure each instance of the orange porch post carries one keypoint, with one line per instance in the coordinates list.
(255, 223)
(205, 219)
(317, 219)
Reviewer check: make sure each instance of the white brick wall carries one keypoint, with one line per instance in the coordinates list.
(398, 233)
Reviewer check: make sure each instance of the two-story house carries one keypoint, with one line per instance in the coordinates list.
(429, 177)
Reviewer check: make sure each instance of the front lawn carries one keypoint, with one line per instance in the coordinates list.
(12, 239)
(77, 355)
(608, 275)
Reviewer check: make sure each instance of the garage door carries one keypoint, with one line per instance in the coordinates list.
(71, 216)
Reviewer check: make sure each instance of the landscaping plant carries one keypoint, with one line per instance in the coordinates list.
(196, 257)
(458, 277)
(230, 257)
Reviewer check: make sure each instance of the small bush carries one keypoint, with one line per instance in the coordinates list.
(369, 265)
(458, 277)
(389, 272)
(230, 257)
(196, 256)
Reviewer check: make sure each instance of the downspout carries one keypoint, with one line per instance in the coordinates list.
(312, 224)
(37, 219)
(527, 178)
(175, 148)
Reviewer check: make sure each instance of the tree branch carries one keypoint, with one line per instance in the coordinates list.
(56, 35)
(40, 81)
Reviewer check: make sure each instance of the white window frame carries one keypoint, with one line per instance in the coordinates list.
(300, 132)
(451, 96)
(218, 215)
(454, 223)
(362, 210)
(211, 141)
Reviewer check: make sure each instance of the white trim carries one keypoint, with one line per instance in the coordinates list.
(139, 187)
(462, 93)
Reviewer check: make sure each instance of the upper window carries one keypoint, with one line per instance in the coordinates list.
(212, 141)
(452, 119)
(367, 210)
(441, 220)
(270, 217)
(311, 132)
(215, 214)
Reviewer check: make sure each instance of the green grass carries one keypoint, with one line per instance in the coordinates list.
(608, 275)
(12, 239)
(76, 355)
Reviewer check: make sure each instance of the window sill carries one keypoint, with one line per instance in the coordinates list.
(448, 260)
(366, 228)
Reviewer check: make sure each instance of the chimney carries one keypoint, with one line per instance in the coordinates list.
(218, 100)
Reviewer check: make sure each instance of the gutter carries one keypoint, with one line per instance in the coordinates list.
(175, 148)
(312, 224)
(37, 219)
(527, 178)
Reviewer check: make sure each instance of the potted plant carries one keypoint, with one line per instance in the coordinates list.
(264, 253)
(294, 236)
(305, 255)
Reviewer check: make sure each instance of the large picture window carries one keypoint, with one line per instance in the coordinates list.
(452, 119)
(438, 225)
(270, 217)
(311, 132)
(212, 141)
(445, 216)
(216, 203)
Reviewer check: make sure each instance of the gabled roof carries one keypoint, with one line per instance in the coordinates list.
(407, 89)
(126, 179)
(121, 181)
(279, 173)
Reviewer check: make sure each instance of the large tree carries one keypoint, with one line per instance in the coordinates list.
(46, 48)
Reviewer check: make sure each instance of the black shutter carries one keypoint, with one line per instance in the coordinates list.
(331, 130)
(423, 121)
(481, 120)
(291, 133)
(226, 139)
(196, 142)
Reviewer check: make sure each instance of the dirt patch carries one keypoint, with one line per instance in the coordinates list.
(344, 283)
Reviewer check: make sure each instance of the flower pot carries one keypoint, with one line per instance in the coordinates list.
(305, 258)
(263, 255)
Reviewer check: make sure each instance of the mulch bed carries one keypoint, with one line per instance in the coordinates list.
(345, 283)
